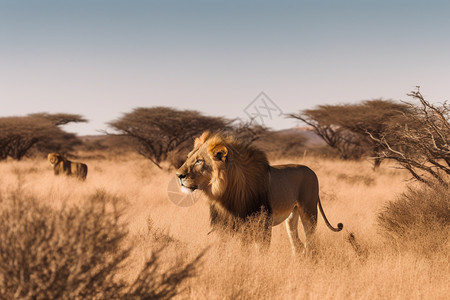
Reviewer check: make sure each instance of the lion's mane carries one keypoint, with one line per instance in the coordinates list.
(241, 184)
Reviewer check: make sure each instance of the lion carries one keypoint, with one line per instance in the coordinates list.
(240, 184)
(61, 165)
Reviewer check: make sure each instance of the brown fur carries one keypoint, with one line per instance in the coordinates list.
(240, 184)
(61, 165)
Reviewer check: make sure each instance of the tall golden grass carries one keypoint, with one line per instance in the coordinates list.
(368, 259)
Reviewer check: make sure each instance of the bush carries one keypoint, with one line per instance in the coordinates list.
(74, 253)
(419, 220)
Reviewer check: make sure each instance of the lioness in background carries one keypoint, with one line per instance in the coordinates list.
(61, 165)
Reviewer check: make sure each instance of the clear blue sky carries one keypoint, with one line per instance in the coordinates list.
(102, 58)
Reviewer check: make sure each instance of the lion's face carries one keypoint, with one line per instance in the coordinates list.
(54, 158)
(203, 166)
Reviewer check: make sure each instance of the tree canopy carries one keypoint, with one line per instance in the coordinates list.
(415, 134)
(41, 131)
(161, 130)
(345, 127)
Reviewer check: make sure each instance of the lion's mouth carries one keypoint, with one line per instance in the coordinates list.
(187, 189)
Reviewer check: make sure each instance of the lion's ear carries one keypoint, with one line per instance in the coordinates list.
(218, 152)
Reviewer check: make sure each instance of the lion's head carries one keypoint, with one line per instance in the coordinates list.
(54, 158)
(232, 175)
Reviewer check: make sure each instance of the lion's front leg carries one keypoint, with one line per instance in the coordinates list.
(217, 221)
(56, 170)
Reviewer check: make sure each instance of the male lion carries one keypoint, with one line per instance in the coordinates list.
(61, 165)
(240, 183)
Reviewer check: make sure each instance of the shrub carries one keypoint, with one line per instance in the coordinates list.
(74, 253)
(419, 220)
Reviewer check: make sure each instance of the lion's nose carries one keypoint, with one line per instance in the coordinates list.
(181, 176)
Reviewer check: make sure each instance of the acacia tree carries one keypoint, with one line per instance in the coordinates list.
(59, 140)
(345, 127)
(325, 122)
(18, 135)
(247, 132)
(374, 117)
(419, 140)
(59, 119)
(162, 130)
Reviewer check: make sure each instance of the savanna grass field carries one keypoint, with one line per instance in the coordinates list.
(119, 234)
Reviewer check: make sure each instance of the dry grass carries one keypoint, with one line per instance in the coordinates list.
(351, 193)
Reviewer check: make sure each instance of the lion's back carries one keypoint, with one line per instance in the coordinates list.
(70, 168)
(290, 173)
(62, 167)
(292, 185)
(78, 169)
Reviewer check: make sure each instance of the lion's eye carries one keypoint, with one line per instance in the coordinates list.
(198, 162)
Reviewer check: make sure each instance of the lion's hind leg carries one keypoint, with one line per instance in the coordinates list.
(292, 231)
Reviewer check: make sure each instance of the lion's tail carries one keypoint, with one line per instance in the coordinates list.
(339, 225)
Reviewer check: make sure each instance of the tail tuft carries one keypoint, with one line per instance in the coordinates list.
(340, 226)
